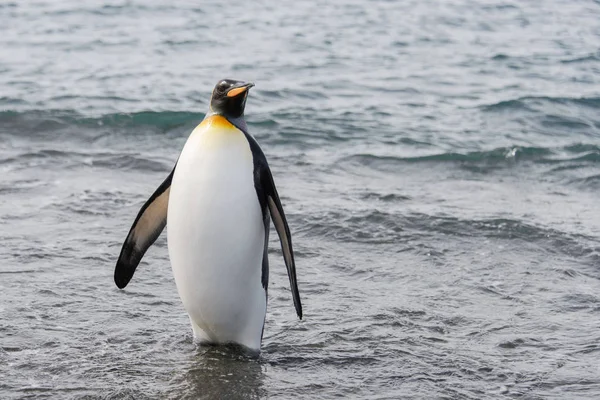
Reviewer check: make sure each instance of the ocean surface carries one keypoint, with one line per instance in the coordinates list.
(438, 161)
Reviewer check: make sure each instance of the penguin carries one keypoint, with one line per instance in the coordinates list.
(219, 200)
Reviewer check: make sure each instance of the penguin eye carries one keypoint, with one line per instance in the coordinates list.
(224, 85)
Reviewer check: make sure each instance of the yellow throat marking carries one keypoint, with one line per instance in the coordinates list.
(216, 121)
(216, 131)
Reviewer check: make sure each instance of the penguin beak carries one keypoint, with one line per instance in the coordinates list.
(239, 89)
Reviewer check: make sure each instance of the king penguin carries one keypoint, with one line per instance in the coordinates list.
(218, 200)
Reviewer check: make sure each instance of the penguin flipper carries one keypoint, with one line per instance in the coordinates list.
(283, 230)
(149, 223)
(269, 199)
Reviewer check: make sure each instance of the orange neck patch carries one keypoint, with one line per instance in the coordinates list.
(217, 121)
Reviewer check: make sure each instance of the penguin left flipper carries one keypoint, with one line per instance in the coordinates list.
(269, 200)
(149, 223)
(285, 237)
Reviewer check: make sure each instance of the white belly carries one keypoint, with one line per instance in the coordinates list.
(216, 237)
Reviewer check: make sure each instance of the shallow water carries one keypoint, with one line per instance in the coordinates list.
(438, 161)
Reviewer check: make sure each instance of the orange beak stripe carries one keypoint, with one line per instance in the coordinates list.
(236, 91)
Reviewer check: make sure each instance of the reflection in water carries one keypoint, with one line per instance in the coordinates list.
(222, 373)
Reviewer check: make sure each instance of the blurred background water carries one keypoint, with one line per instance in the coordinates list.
(439, 163)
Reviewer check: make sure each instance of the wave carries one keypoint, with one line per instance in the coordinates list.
(530, 102)
(73, 159)
(591, 57)
(48, 119)
(503, 156)
(375, 226)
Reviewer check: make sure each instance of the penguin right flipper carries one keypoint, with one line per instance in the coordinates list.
(149, 223)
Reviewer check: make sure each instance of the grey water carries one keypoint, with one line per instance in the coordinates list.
(438, 161)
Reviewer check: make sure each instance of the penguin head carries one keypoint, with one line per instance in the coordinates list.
(229, 98)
